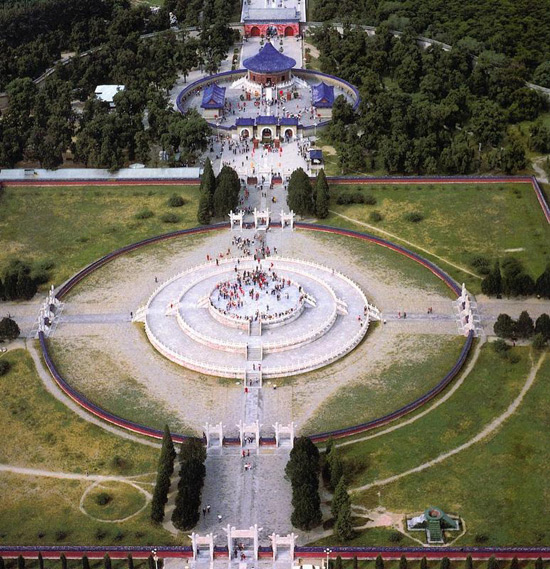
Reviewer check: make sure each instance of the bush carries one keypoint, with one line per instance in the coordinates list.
(395, 537)
(481, 264)
(60, 535)
(500, 346)
(170, 218)
(414, 216)
(144, 214)
(9, 330)
(103, 499)
(357, 197)
(344, 199)
(369, 199)
(375, 216)
(539, 342)
(5, 365)
(175, 201)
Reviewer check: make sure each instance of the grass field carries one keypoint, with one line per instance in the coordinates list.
(475, 404)
(53, 437)
(44, 511)
(113, 500)
(460, 222)
(72, 226)
(498, 486)
(399, 383)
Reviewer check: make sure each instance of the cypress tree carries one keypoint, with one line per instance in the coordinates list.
(63, 559)
(226, 195)
(344, 527)
(203, 213)
(542, 326)
(355, 562)
(107, 561)
(322, 195)
(423, 563)
(338, 563)
(514, 564)
(164, 472)
(491, 285)
(2, 564)
(326, 462)
(492, 563)
(504, 327)
(2, 295)
(20, 562)
(300, 193)
(336, 469)
(539, 563)
(40, 561)
(208, 184)
(469, 562)
(151, 562)
(542, 286)
(379, 563)
(403, 562)
(445, 563)
(85, 562)
(130, 561)
(524, 326)
(340, 498)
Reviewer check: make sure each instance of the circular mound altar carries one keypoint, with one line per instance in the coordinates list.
(251, 320)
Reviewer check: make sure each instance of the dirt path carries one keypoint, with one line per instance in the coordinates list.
(448, 394)
(541, 174)
(495, 424)
(52, 387)
(70, 475)
(393, 236)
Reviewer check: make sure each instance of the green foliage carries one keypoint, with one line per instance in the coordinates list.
(130, 561)
(515, 281)
(469, 564)
(445, 563)
(85, 562)
(4, 367)
(203, 213)
(500, 346)
(164, 472)
(175, 201)
(9, 330)
(107, 561)
(542, 326)
(542, 286)
(322, 195)
(403, 562)
(63, 559)
(525, 327)
(20, 562)
(424, 564)
(379, 563)
(491, 285)
(103, 498)
(18, 283)
(539, 342)
(375, 216)
(170, 218)
(343, 527)
(414, 216)
(338, 563)
(226, 195)
(303, 471)
(340, 498)
(40, 560)
(505, 327)
(144, 214)
(492, 563)
(300, 193)
(192, 472)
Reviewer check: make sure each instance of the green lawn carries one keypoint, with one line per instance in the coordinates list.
(376, 393)
(498, 486)
(475, 404)
(44, 511)
(460, 222)
(73, 226)
(113, 500)
(44, 433)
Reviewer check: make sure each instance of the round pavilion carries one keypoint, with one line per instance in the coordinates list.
(269, 67)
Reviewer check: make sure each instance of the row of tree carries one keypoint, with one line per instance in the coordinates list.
(304, 199)
(340, 507)
(219, 194)
(523, 328)
(424, 110)
(303, 470)
(164, 476)
(192, 472)
(107, 564)
(511, 279)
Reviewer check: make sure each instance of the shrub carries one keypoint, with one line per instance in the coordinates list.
(344, 199)
(4, 367)
(357, 197)
(60, 535)
(103, 499)
(539, 342)
(9, 330)
(481, 538)
(414, 216)
(395, 537)
(144, 214)
(369, 199)
(170, 218)
(481, 264)
(175, 201)
(100, 534)
(500, 346)
(375, 216)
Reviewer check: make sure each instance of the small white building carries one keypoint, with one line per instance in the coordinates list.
(107, 93)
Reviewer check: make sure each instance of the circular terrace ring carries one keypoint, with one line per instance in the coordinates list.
(98, 411)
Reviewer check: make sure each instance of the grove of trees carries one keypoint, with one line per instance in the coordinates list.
(164, 473)
(509, 278)
(428, 110)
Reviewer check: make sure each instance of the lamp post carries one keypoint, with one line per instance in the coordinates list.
(155, 557)
(328, 551)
